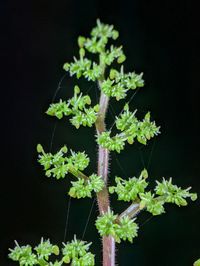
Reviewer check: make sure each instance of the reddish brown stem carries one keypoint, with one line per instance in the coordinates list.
(103, 196)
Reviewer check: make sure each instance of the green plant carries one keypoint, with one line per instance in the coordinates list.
(108, 72)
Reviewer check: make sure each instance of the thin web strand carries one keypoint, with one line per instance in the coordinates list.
(58, 87)
(141, 156)
(151, 153)
(146, 221)
(120, 165)
(88, 218)
(67, 220)
(53, 136)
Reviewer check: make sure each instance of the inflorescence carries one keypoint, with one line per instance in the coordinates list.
(115, 83)
(75, 253)
(58, 165)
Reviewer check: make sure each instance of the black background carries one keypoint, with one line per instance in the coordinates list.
(160, 39)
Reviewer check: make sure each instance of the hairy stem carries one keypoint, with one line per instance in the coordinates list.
(103, 196)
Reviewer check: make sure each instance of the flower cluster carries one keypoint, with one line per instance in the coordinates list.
(131, 128)
(25, 256)
(119, 83)
(95, 45)
(83, 188)
(74, 252)
(76, 106)
(77, 253)
(84, 67)
(128, 190)
(58, 165)
(133, 190)
(151, 203)
(167, 193)
(122, 229)
(173, 193)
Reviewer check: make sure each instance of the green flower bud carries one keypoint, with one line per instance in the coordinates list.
(193, 196)
(64, 149)
(76, 90)
(81, 41)
(82, 52)
(66, 66)
(40, 148)
(144, 173)
(113, 73)
(115, 34)
(121, 59)
(55, 250)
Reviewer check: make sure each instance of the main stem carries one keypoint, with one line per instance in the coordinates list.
(103, 196)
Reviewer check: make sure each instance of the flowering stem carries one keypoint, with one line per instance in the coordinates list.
(103, 196)
(132, 211)
(77, 173)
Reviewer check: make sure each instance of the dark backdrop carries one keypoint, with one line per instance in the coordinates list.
(160, 39)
